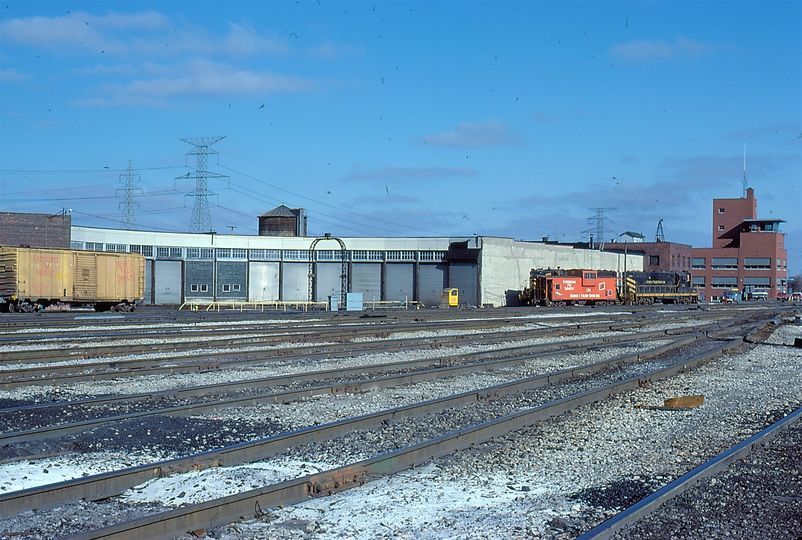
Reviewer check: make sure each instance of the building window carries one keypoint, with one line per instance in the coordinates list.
(724, 281)
(400, 255)
(226, 287)
(654, 260)
(698, 263)
(725, 263)
(296, 254)
(116, 248)
(757, 263)
(720, 210)
(94, 246)
(328, 255)
(193, 253)
(162, 252)
(223, 253)
(432, 255)
(721, 227)
(204, 288)
(193, 287)
(698, 281)
(238, 253)
(76, 245)
(235, 287)
(758, 282)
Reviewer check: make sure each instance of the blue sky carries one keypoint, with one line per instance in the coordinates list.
(407, 118)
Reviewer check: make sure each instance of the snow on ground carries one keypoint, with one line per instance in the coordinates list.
(24, 474)
(199, 486)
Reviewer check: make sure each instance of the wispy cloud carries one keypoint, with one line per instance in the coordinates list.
(659, 50)
(146, 33)
(332, 51)
(196, 78)
(11, 75)
(472, 135)
(390, 174)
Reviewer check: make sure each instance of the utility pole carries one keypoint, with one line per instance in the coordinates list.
(201, 216)
(128, 192)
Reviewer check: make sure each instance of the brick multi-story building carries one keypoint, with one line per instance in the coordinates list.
(657, 256)
(35, 230)
(747, 254)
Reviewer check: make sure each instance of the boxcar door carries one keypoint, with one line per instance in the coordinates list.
(85, 286)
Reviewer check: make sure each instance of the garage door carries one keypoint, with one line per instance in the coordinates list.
(148, 282)
(464, 276)
(366, 278)
(167, 282)
(398, 282)
(432, 281)
(294, 282)
(262, 281)
(327, 281)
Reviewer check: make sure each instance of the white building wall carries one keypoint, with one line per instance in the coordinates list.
(505, 264)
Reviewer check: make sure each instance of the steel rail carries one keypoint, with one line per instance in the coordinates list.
(287, 396)
(233, 358)
(278, 380)
(272, 336)
(219, 327)
(113, 483)
(225, 510)
(642, 508)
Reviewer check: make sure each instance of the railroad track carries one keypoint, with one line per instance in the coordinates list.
(609, 528)
(408, 372)
(234, 507)
(109, 484)
(55, 351)
(325, 483)
(218, 360)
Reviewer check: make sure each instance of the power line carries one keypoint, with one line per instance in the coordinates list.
(322, 203)
(84, 171)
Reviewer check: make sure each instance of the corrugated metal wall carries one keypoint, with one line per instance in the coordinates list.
(431, 282)
(167, 283)
(398, 281)
(201, 275)
(328, 281)
(366, 278)
(263, 281)
(294, 282)
(232, 280)
(464, 276)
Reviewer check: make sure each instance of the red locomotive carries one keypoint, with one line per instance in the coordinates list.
(567, 287)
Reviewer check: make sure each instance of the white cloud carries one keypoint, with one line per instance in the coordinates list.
(12, 75)
(148, 33)
(656, 50)
(470, 135)
(196, 78)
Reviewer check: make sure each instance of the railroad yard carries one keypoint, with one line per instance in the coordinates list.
(500, 423)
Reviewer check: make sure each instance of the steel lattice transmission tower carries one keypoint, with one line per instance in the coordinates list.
(201, 216)
(128, 192)
(599, 220)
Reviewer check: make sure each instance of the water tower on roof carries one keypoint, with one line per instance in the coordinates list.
(283, 221)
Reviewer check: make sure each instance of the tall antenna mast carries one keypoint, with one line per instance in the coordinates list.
(201, 216)
(659, 236)
(128, 192)
(746, 185)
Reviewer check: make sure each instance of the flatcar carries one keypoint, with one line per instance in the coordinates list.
(567, 287)
(31, 279)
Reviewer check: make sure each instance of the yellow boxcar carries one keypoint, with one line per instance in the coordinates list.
(33, 278)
